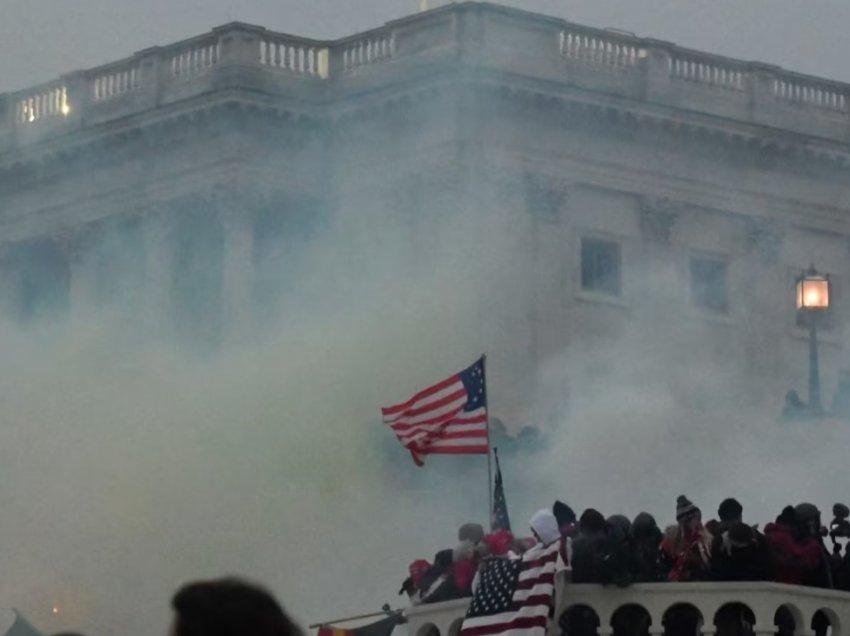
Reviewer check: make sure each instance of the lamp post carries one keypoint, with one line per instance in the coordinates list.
(812, 298)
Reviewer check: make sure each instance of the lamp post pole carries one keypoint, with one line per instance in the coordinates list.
(815, 404)
(812, 298)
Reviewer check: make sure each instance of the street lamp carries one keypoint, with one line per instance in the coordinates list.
(812, 298)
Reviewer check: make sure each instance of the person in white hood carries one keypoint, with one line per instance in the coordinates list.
(545, 526)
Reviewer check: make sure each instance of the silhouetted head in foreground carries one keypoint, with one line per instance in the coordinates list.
(228, 607)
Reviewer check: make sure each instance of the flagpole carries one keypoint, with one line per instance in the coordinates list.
(356, 618)
(489, 461)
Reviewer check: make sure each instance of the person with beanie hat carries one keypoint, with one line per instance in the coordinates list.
(563, 513)
(687, 548)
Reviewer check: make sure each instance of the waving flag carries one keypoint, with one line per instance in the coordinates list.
(447, 418)
(514, 597)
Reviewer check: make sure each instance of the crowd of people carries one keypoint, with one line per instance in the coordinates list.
(619, 551)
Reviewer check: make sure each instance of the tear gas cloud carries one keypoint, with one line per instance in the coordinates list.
(131, 463)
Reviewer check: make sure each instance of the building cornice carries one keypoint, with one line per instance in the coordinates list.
(643, 78)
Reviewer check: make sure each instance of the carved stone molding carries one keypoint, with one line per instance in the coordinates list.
(765, 237)
(658, 215)
(545, 196)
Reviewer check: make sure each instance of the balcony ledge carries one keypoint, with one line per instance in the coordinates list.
(763, 599)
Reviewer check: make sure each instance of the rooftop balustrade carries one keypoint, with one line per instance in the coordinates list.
(468, 35)
(659, 608)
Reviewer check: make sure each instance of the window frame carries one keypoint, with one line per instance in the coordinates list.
(699, 295)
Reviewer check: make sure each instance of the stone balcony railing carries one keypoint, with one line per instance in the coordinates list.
(759, 602)
(479, 37)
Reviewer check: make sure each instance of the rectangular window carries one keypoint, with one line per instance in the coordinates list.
(709, 284)
(600, 266)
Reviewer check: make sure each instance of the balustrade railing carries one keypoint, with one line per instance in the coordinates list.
(114, 83)
(599, 59)
(293, 55)
(195, 58)
(367, 49)
(663, 608)
(811, 93)
(45, 103)
(705, 70)
(600, 47)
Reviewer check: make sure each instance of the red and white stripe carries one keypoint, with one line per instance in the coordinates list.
(531, 603)
(433, 422)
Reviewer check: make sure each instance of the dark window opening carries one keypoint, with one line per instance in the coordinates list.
(600, 267)
(709, 284)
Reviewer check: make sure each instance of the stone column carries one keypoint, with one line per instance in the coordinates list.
(74, 243)
(159, 272)
(657, 218)
(659, 298)
(237, 268)
(546, 198)
(8, 284)
(767, 295)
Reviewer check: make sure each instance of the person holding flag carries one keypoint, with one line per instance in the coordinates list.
(517, 596)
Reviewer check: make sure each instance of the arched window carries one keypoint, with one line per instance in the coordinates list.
(579, 620)
(682, 619)
(734, 619)
(631, 620)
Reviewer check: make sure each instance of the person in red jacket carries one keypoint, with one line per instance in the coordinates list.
(793, 559)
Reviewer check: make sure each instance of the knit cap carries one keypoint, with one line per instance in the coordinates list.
(684, 507)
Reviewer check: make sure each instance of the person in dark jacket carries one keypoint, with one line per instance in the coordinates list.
(740, 553)
(729, 511)
(589, 548)
(620, 562)
(438, 583)
(647, 536)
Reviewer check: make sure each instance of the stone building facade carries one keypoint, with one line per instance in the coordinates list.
(661, 196)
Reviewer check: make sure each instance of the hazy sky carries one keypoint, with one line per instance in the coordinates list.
(40, 39)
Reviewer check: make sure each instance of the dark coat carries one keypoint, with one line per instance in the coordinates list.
(588, 562)
(749, 563)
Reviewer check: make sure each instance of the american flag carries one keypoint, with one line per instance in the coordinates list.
(515, 597)
(500, 519)
(449, 417)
